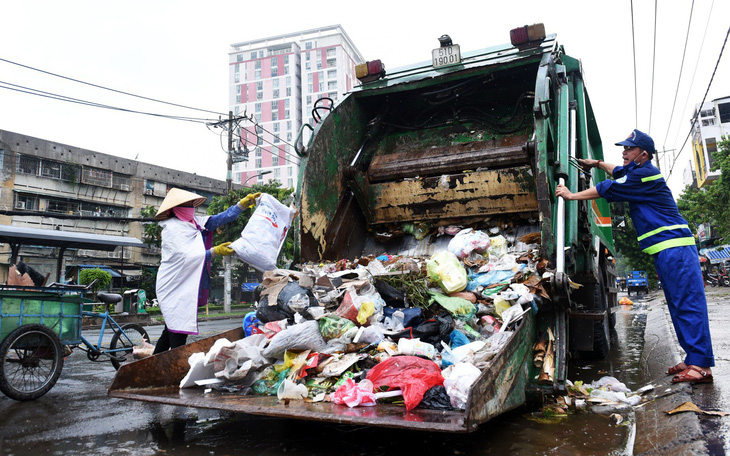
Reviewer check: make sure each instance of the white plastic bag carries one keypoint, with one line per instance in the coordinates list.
(262, 237)
(467, 241)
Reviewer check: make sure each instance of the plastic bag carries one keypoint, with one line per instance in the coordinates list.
(304, 336)
(353, 394)
(497, 246)
(413, 375)
(436, 398)
(467, 241)
(291, 299)
(458, 379)
(458, 307)
(333, 327)
(392, 296)
(446, 270)
(262, 237)
(412, 316)
(251, 324)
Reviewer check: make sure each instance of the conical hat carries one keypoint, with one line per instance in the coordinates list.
(177, 197)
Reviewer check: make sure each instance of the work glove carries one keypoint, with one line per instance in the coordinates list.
(249, 200)
(223, 249)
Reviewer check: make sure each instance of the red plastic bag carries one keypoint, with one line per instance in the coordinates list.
(413, 375)
(347, 308)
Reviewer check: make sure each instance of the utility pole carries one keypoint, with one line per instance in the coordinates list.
(229, 181)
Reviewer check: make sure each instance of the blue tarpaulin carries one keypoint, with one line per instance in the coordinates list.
(249, 286)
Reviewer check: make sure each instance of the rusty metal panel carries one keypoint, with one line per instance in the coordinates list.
(410, 159)
(480, 193)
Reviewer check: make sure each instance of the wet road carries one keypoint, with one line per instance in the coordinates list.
(76, 416)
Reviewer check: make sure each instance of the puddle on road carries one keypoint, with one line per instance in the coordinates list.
(207, 432)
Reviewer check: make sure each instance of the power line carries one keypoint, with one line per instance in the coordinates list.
(633, 42)
(107, 88)
(679, 78)
(54, 96)
(699, 54)
(697, 114)
(653, 68)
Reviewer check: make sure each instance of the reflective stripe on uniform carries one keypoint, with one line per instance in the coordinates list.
(659, 230)
(669, 244)
(651, 178)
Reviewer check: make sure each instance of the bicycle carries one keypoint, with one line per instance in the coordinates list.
(48, 324)
(123, 341)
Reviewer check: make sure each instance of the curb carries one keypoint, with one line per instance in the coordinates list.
(657, 432)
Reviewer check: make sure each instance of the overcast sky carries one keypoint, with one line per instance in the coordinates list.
(177, 51)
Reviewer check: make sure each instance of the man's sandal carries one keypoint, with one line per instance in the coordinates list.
(683, 376)
(676, 369)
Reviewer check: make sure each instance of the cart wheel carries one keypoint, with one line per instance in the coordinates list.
(134, 336)
(32, 359)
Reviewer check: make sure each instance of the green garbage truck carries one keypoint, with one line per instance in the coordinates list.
(476, 138)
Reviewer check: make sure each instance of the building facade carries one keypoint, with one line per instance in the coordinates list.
(708, 128)
(277, 82)
(44, 178)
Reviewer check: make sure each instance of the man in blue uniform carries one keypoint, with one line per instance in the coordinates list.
(665, 235)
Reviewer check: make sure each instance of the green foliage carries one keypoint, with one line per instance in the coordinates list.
(103, 278)
(712, 203)
(152, 230)
(149, 283)
(631, 258)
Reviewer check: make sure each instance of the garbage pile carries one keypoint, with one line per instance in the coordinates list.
(400, 329)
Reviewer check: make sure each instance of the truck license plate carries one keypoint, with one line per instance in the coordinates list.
(447, 55)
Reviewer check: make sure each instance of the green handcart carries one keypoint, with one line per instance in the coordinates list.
(35, 324)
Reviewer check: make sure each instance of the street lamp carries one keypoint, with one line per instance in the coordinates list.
(261, 173)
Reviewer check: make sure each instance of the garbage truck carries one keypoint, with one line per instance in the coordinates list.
(475, 139)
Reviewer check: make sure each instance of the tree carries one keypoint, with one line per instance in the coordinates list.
(103, 278)
(152, 230)
(627, 245)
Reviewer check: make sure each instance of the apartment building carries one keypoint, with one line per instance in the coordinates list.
(284, 82)
(708, 128)
(43, 178)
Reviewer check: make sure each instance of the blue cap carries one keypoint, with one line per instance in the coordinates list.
(639, 139)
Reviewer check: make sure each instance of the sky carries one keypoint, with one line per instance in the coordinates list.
(177, 51)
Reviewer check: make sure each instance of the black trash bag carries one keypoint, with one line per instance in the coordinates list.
(292, 299)
(435, 398)
(392, 296)
(432, 331)
(412, 316)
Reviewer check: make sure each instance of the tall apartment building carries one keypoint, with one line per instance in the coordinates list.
(279, 80)
(45, 178)
(712, 123)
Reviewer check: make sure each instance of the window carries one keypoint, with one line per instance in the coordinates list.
(275, 71)
(308, 66)
(288, 136)
(310, 88)
(274, 62)
(239, 58)
(257, 108)
(277, 174)
(96, 176)
(288, 91)
(51, 169)
(27, 202)
(288, 125)
(309, 100)
(331, 62)
(711, 148)
(276, 127)
(253, 55)
(288, 81)
(331, 85)
(290, 182)
(724, 109)
(286, 60)
(319, 63)
(331, 52)
(257, 65)
(289, 169)
(332, 74)
(275, 158)
(257, 74)
(310, 77)
(306, 56)
(321, 87)
(261, 54)
(28, 165)
(308, 45)
(276, 93)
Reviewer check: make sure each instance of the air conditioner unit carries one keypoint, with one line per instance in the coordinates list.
(20, 205)
(124, 187)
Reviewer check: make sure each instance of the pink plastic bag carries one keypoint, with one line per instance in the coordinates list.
(413, 375)
(353, 394)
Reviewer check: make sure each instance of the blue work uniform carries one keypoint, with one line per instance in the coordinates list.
(664, 234)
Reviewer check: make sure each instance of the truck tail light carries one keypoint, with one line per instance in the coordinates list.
(370, 71)
(526, 34)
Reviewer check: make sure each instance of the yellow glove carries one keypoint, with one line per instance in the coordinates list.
(249, 200)
(223, 249)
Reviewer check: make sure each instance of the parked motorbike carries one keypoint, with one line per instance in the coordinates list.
(718, 279)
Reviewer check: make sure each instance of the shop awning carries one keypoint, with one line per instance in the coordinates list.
(717, 254)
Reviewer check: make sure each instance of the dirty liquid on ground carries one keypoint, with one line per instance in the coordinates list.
(95, 424)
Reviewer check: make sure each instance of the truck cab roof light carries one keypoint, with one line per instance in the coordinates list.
(370, 71)
(527, 34)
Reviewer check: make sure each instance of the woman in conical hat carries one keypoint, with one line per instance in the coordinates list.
(183, 280)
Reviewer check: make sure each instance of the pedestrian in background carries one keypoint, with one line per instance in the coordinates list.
(665, 235)
(183, 279)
